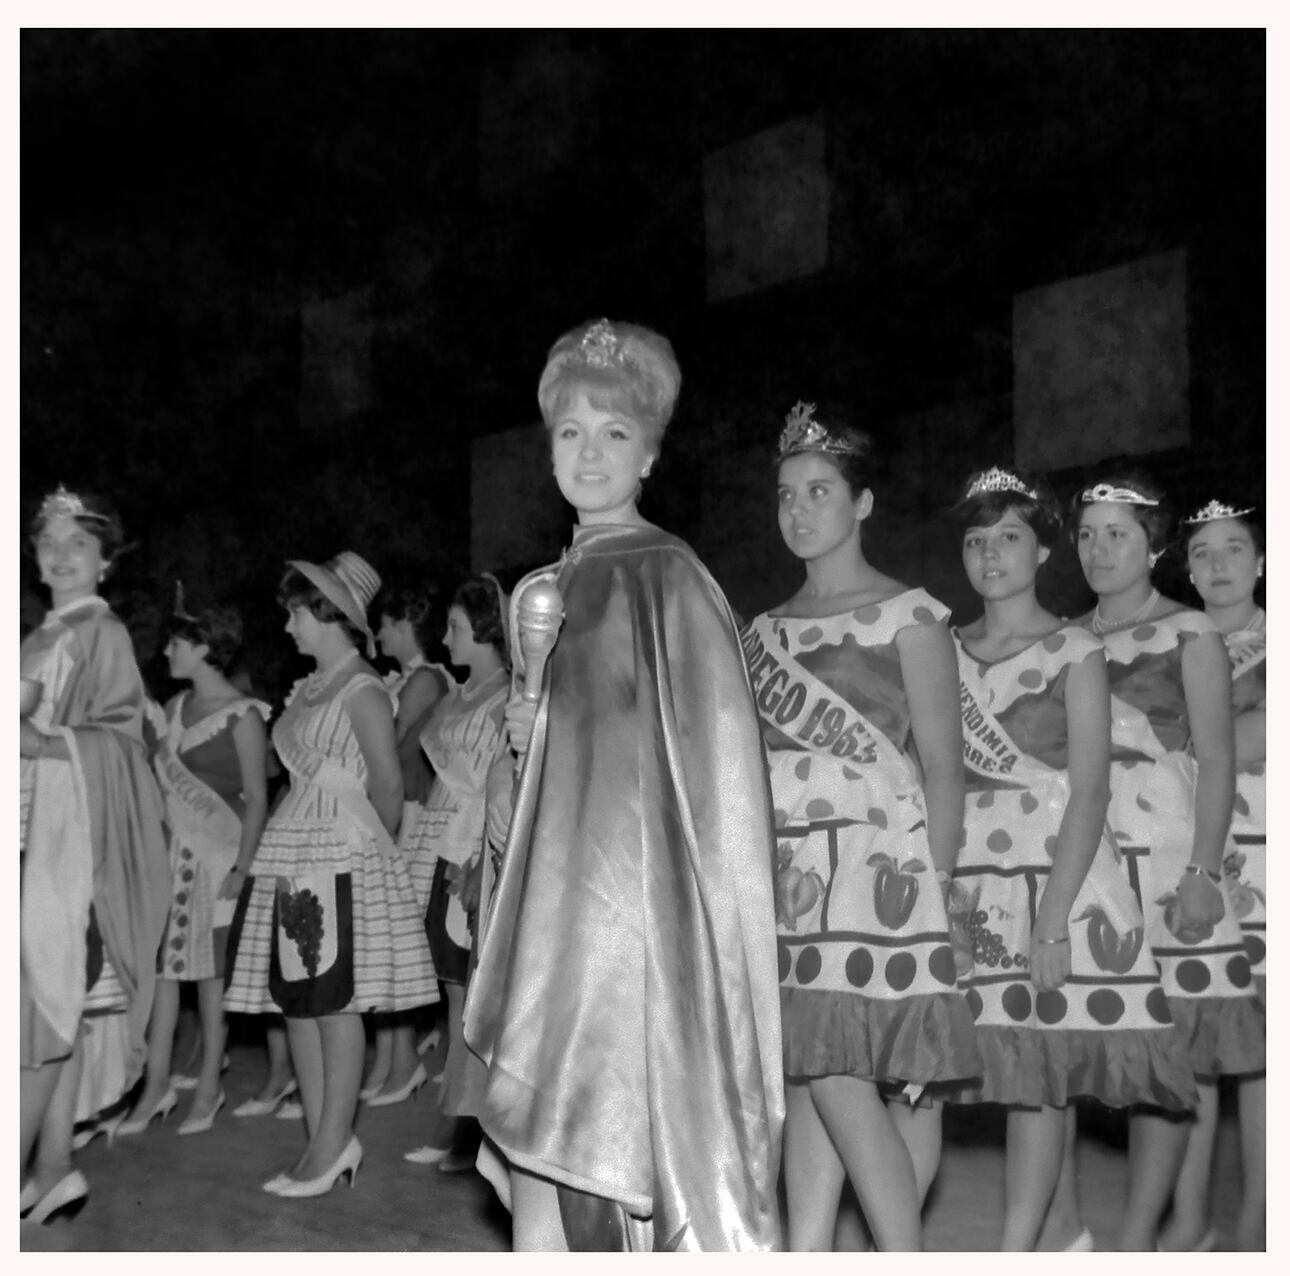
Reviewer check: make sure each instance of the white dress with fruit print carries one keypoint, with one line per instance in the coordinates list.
(1206, 975)
(1107, 1033)
(867, 980)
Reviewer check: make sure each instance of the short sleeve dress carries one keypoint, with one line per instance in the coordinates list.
(867, 980)
(1153, 794)
(1107, 1033)
(462, 739)
(327, 922)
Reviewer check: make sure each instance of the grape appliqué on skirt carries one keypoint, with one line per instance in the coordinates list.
(867, 980)
(327, 922)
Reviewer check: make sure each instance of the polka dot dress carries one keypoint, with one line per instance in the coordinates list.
(197, 926)
(1107, 1033)
(1153, 780)
(1245, 865)
(866, 969)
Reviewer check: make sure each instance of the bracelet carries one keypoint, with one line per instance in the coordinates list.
(1197, 870)
(1065, 939)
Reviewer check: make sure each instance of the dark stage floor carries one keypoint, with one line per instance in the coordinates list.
(161, 1192)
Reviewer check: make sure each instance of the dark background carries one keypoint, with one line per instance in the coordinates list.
(183, 193)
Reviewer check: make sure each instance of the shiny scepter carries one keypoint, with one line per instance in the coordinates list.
(539, 614)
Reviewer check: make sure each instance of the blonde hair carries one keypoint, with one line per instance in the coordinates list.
(625, 365)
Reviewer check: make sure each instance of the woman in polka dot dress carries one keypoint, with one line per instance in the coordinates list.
(1172, 784)
(1224, 547)
(1048, 933)
(852, 674)
(210, 763)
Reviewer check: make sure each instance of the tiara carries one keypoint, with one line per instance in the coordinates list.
(600, 347)
(1215, 510)
(1118, 495)
(996, 480)
(803, 433)
(63, 502)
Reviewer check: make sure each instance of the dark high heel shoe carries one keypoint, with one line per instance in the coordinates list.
(66, 1197)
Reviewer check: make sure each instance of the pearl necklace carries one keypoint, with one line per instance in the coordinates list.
(318, 681)
(1101, 625)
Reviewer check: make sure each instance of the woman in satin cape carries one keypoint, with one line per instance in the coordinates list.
(95, 874)
(626, 997)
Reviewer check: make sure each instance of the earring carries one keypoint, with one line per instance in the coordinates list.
(1153, 559)
(646, 470)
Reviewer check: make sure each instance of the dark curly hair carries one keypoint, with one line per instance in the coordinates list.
(1041, 513)
(219, 628)
(479, 598)
(100, 519)
(420, 604)
(1156, 520)
(297, 590)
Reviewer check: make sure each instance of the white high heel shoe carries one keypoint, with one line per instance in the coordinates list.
(199, 1125)
(406, 1091)
(67, 1196)
(165, 1106)
(347, 1162)
(265, 1107)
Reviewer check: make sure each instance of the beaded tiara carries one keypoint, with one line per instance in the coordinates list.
(1215, 510)
(998, 480)
(1118, 495)
(803, 433)
(62, 502)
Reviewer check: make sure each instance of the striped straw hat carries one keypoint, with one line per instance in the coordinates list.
(348, 581)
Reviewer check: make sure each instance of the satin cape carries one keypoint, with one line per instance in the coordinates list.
(626, 999)
(100, 715)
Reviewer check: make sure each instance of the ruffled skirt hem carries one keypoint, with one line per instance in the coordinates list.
(1030, 1067)
(1224, 1036)
(921, 1039)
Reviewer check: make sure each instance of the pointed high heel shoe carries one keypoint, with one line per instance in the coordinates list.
(86, 1135)
(265, 1107)
(66, 1197)
(199, 1125)
(165, 1106)
(406, 1091)
(371, 1091)
(347, 1162)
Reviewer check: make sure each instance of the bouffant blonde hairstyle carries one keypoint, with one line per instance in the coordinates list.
(620, 366)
